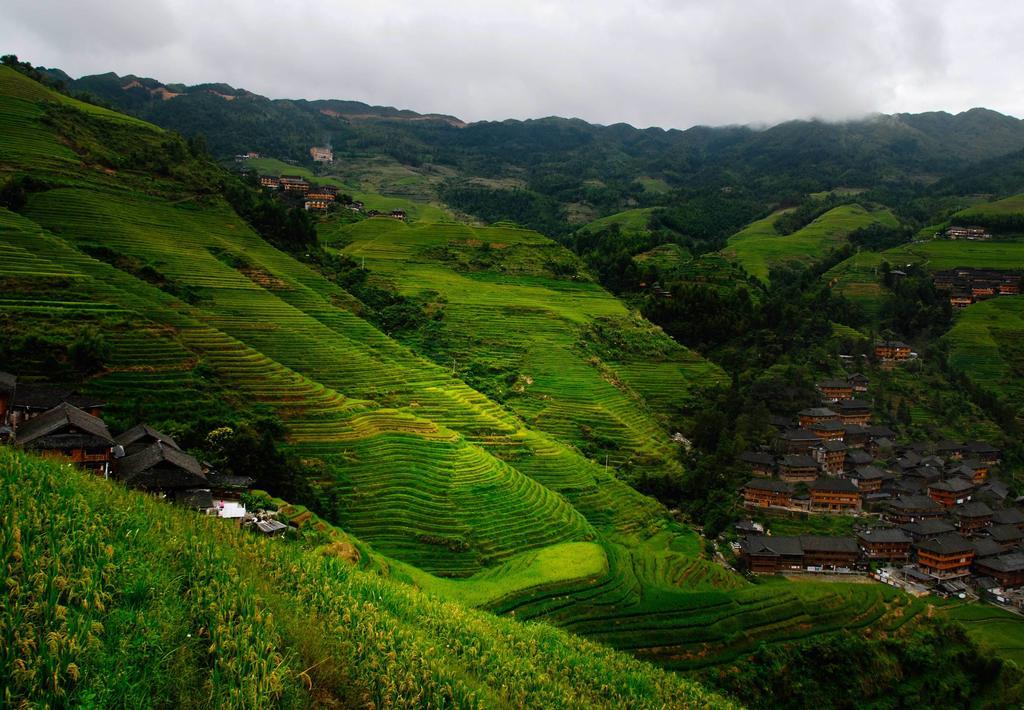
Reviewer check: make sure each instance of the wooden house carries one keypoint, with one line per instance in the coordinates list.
(816, 415)
(798, 468)
(1009, 516)
(317, 205)
(870, 479)
(927, 529)
(293, 183)
(398, 214)
(1007, 536)
(32, 399)
(888, 544)
(855, 458)
(950, 449)
(914, 508)
(768, 554)
(983, 451)
(959, 301)
(946, 557)
(835, 495)
(834, 390)
(796, 441)
(829, 553)
(828, 431)
(760, 464)
(859, 382)
(324, 193)
(972, 518)
(161, 468)
(1007, 569)
(831, 455)
(70, 433)
(142, 436)
(951, 492)
(892, 350)
(763, 493)
(854, 411)
(855, 436)
(270, 182)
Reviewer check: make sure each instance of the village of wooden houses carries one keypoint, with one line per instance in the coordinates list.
(54, 421)
(931, 517)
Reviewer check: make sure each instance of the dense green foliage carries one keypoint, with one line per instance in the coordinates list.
(935, 665)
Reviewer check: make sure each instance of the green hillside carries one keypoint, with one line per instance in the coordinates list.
(759, 246)
(1013, 205)
(940, 254)
(484, 453)
(631, 222)
(115, 598)
(986, 344)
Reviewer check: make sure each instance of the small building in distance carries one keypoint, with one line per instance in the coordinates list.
(70, 433)
(293, 183)
(398, 214)
(816, 415)
(953, 491)
(972, 233)
(972, 518)
(831, 455)
(270, 182)
(854, 411)
(835, 390)
(321, 154)
(317, 205)
(892, 350)
(760, 464)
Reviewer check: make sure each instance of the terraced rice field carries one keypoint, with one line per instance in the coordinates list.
(940, 254)
(987, 344)
(413, 461)
(1013, 205)
(528, 324)
(758, 246)
(858, 280)
(629, 221)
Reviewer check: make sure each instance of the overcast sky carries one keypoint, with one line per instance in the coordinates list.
(645, 62)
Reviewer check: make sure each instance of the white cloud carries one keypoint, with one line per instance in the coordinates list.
(647, 62)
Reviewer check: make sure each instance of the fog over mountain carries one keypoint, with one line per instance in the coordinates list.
(652, 62)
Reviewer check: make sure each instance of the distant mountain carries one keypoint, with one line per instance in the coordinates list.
(561, 165)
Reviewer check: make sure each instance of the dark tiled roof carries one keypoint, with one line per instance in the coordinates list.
(854, 405)
(772, 545)
(754, 457)
(834, 384)
(61, 416)
(160, 466)
(833, 446)
(823, 543)
(827, 426)
(973, 510)
(835, 485)
(817, 412)
(1013, 562)
(929, 528)
(870, 473)
(945, 545)
(859, 457)
(1009, 516)
(1005, 533)
(981, 447)
(883, 535)
(144, 433)
(765, 484)
(987, 547)
(798, 461)
(952, 485)
(880, 432)
(947, 445)
(914, 503)
(799, 435)
(7, 382)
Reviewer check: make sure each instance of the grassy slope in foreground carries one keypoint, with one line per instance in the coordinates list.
(116, 598)
(758, 247)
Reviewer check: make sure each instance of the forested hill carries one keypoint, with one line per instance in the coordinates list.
(544, 173)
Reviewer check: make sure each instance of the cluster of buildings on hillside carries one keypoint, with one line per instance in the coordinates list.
(966, 285)
(933, 507)
(54, 421)
(970, 233)
(317, 198)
